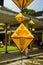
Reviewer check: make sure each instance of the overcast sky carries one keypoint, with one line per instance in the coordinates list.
(36, 5)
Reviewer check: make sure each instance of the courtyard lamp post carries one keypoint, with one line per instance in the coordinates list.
(6, 39)
(31, 23)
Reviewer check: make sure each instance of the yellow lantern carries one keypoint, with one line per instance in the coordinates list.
(19, 17)
(31, 22)
(22, 4)
(22, 37)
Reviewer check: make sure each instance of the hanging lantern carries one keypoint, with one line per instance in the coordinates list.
(22, 37)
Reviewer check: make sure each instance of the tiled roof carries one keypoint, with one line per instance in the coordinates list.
(40, 13)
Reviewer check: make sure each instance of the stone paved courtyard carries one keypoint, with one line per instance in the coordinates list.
(38, 60)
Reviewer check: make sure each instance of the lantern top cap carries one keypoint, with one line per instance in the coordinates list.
(31, 22)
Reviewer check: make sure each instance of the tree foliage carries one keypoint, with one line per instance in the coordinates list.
(28, 11)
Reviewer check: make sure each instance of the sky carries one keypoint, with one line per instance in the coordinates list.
(37, 5)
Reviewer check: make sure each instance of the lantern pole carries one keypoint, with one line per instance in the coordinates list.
(31, 22)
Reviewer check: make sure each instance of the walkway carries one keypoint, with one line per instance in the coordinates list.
(16, 55)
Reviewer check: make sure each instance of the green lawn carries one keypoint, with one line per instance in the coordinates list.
(9, 48)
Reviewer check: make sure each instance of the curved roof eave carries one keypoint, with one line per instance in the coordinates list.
(9, 17)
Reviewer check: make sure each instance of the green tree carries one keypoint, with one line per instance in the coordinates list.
(28, 11)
